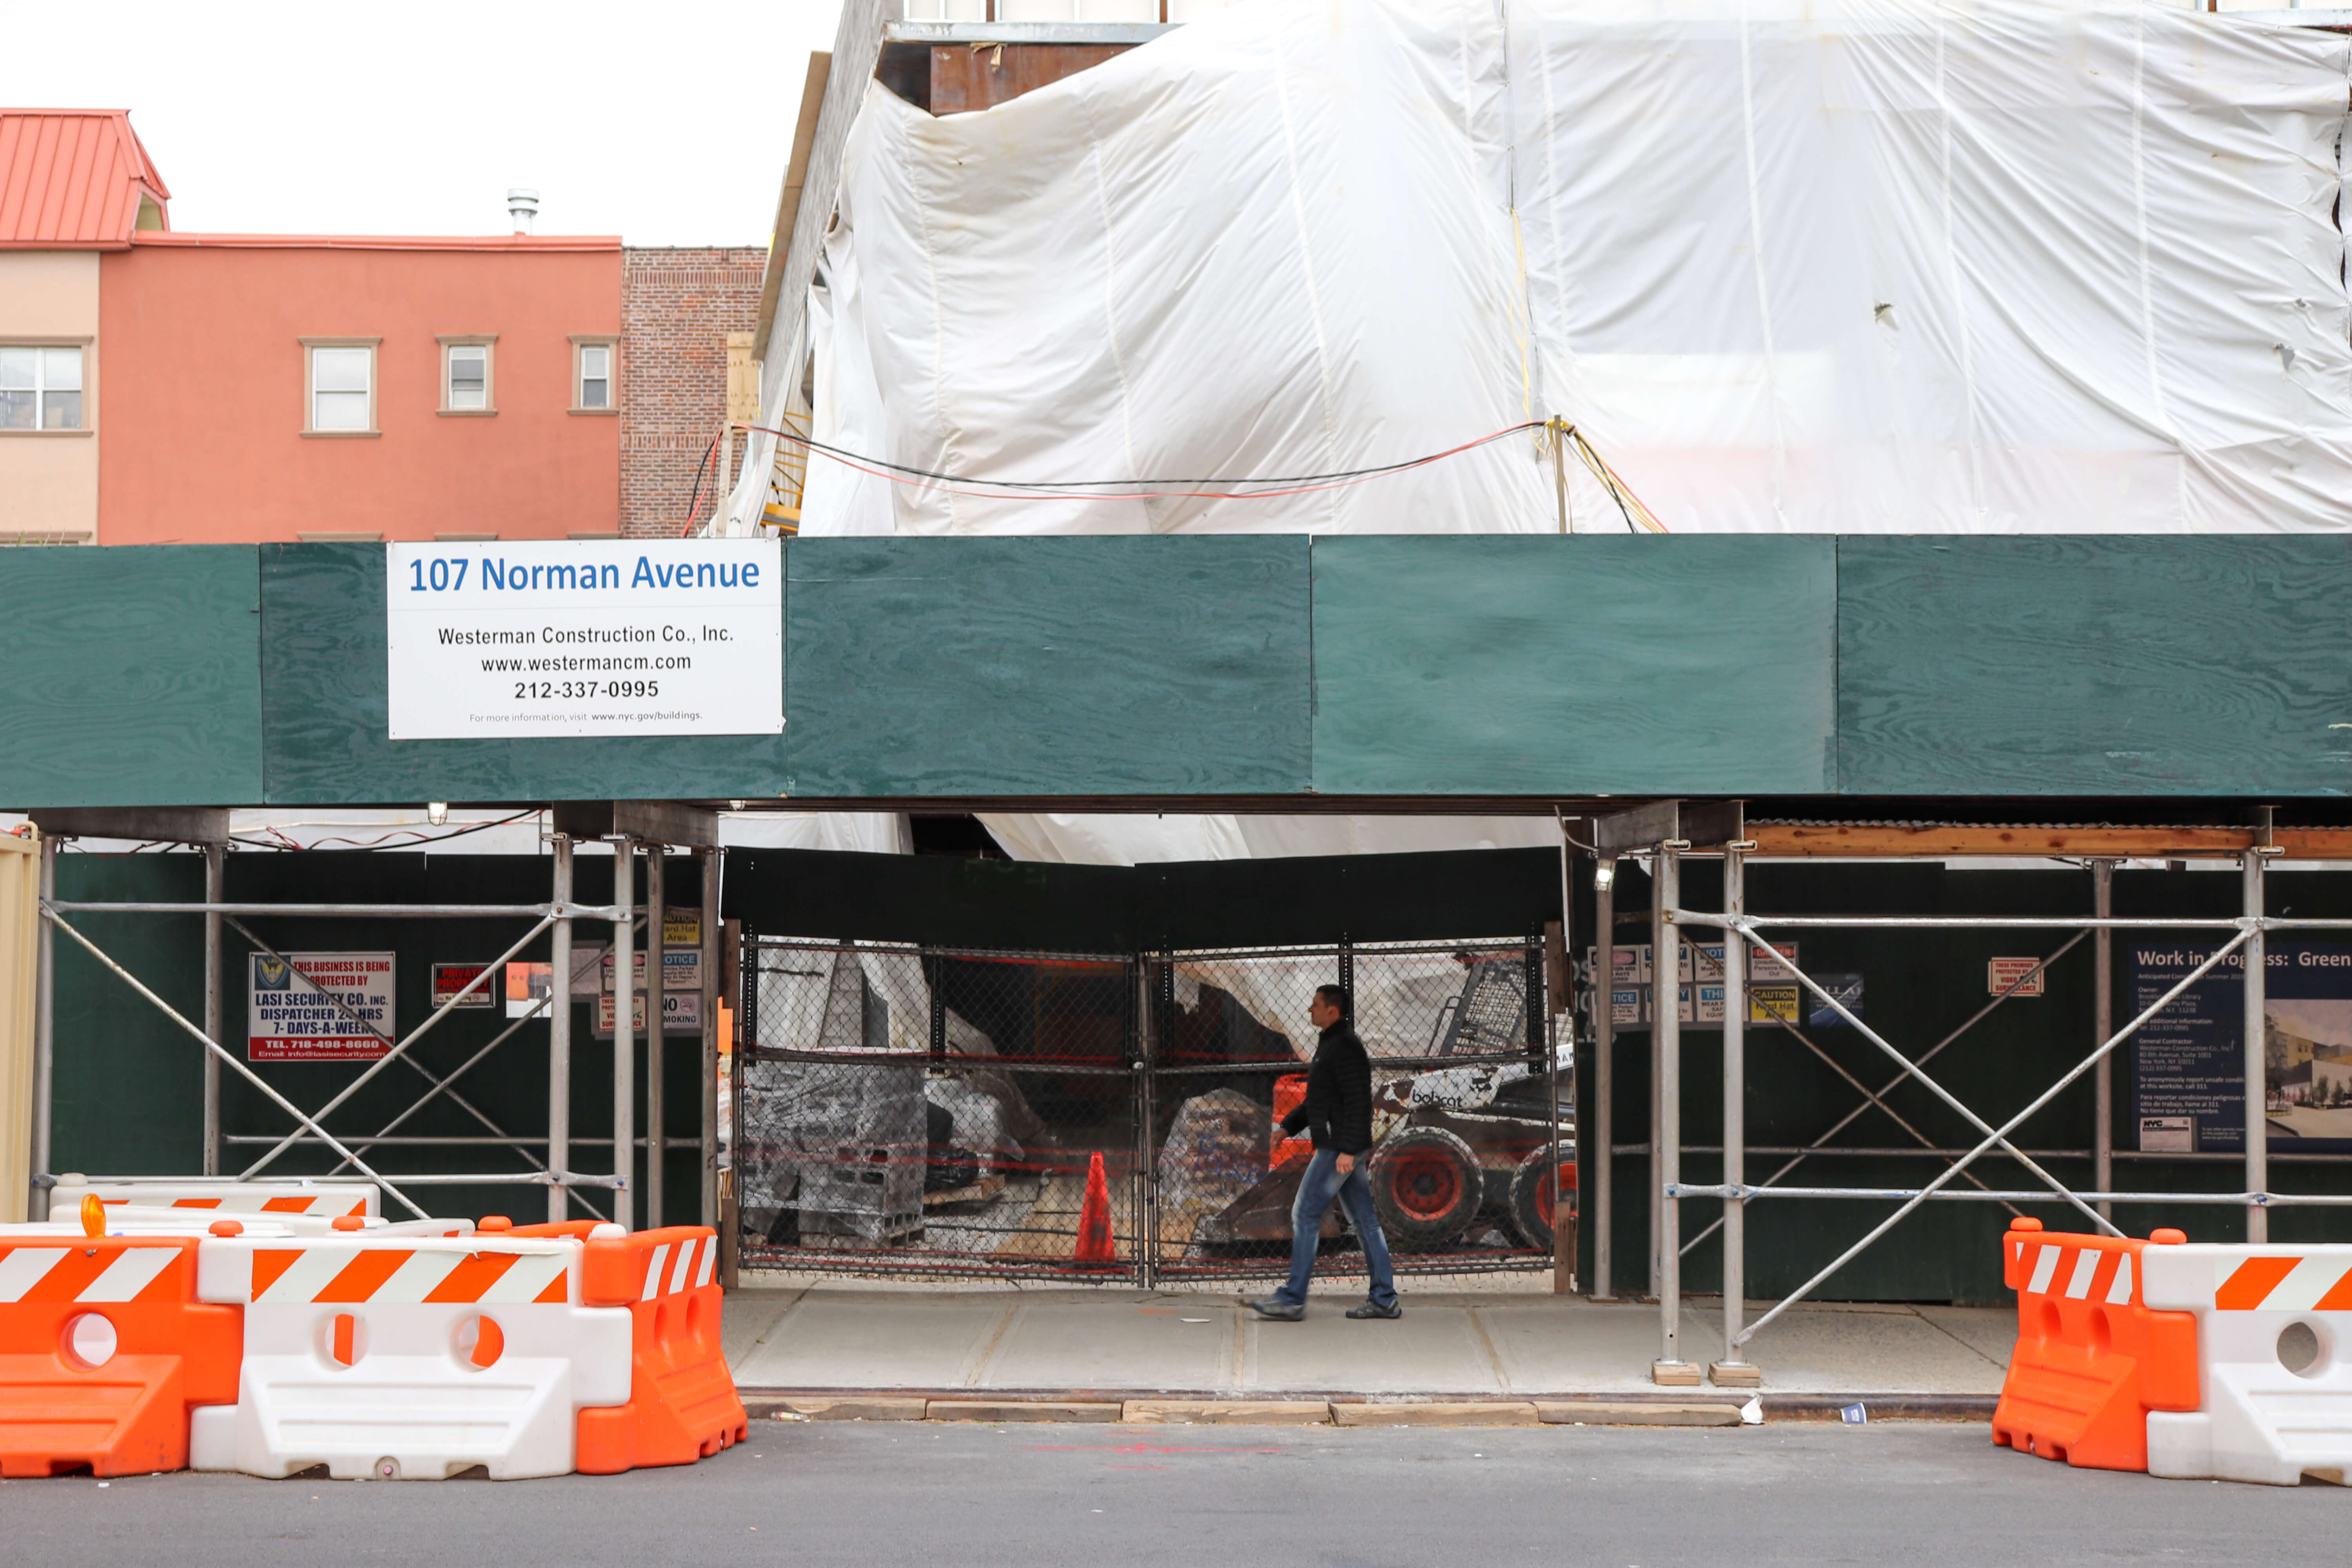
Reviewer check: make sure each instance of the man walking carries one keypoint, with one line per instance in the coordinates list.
(1338, 1116)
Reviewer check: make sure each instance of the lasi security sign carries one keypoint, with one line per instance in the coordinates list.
(319, 1006)
(674, 636)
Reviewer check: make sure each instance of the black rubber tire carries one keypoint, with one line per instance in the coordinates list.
(1532, 1195)
(1427, 1187)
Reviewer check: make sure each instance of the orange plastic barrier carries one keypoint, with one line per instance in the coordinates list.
(1289, 1094)
(103, 1349)
(682, 1402)
(2091, 1359)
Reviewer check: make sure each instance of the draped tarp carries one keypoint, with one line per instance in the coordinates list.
(1853, 267)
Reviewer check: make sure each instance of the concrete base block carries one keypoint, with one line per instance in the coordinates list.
(853, 1408)
(1466, 1413)
(1635, 1412)
(1228, 1412)
(1022, 1410)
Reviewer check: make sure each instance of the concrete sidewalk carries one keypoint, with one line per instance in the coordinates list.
(864, 1336)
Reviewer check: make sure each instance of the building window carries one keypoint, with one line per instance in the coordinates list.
(40, 387)
(592, 380)
(466, 385)
(339, 395)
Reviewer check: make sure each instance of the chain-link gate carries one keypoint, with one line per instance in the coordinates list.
(929, 1110)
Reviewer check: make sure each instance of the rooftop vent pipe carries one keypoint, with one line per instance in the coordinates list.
(522, 207)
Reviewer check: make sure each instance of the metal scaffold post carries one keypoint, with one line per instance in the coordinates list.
(1595, 1151)
(216, 891)
(657, 985)
(1735, 1370)
(708, 1099)
(625, 1041)
(2257, 1021)
(1671, 1368)
(559, 1038)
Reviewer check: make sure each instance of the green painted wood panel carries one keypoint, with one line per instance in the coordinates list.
(1040, 666)
(2094, 666)
(133, 677)
(1543, 665)
(323, 661)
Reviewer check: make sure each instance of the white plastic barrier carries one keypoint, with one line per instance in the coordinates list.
(324, 1197)
(408, 1358)
(2273, 1363)
(119, 1216)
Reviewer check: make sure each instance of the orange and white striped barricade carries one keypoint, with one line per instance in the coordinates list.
(682, 1401)
(2274, 1364)
(104, 1351)
(236, 1200)
(408, 1357)
(2091, 1359)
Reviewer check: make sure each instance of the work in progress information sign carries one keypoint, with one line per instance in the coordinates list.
(667, 636)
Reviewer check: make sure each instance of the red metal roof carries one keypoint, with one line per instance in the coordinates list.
(72, 179)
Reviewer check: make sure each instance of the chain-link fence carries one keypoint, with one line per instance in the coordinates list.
(925, 1110)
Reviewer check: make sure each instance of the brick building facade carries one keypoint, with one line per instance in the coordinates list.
(679, 307)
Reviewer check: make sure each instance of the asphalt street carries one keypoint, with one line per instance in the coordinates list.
(883, 1494)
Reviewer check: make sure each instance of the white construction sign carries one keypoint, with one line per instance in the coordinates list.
(668, 636)
(319, 1006)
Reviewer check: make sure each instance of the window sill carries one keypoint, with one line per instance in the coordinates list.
(593, 411)
(341, 435)
(14, 433)
(466, 413)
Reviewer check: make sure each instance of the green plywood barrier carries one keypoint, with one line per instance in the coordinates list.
(1542, 664)
(322, 657)
(130, 677)
(942, 667)
(2094, 666)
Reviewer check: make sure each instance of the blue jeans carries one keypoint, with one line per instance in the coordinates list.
(1317, 1188)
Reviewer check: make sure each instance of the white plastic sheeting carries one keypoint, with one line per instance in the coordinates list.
(1836, 267)
(1853, 267)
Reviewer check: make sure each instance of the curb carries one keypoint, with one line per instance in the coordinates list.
(1355, 1410)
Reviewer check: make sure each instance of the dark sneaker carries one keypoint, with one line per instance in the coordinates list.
(1278, 1308)
(1374, 1310)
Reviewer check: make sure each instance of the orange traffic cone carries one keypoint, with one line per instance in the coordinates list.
(1094, 1219)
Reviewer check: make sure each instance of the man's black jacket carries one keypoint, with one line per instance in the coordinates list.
(1337, 1110)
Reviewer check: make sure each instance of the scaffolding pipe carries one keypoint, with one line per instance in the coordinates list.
(2015, 1122)
(214, 1046)
(656, 1033)
(2102, 1022)
(1667, 1031)
(354, 912)
(624, 1034)
(216, 889)
(45, 1029)
(1912, 1069)
(1956, 1194)
(2257, 1029)
(1600, 1135)
(708, 1207)
(559, 1033)
(399, 1051)
(1662, 1001)
(1734, 1366)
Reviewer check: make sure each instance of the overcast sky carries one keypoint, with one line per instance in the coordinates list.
(667, 123)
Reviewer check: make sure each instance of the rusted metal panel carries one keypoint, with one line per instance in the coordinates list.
(965, 77)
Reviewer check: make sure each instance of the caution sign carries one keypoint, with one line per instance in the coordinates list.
(450, 979)
(319, 1006)
(2001, 973)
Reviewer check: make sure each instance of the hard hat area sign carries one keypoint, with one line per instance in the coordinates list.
(672, 637)
(319, 1006)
